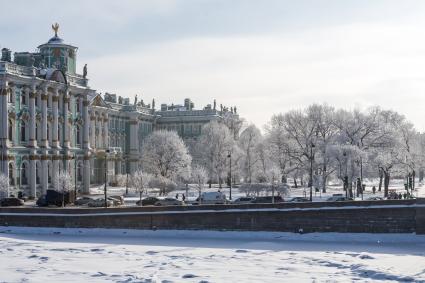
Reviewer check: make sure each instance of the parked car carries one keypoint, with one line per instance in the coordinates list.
(243, 200)
(268, 199)
(167, 201)
(375, 198)
(147, 201)
(338, 198)
(119, 199)
(299, 199)
(83, 200)
(11, 202)
(100, 202)
(211, 198)
(53, 198)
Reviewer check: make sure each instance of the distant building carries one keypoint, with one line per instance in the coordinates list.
(52, 120)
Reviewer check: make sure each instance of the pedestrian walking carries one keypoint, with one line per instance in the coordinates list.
(373, 189)
(177, 196)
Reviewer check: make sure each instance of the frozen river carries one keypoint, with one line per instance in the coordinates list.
(99, 255)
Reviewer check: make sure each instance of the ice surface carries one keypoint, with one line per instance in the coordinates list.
(113, 255)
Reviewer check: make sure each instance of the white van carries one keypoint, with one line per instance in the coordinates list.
(211, 198)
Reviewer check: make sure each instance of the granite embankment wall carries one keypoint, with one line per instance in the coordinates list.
(396, 216)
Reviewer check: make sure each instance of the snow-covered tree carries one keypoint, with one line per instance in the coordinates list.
(4, 186)
(199, 177)
(215, 145)
(63, 184)
(140, 181)
(166, 155)
(249, 141)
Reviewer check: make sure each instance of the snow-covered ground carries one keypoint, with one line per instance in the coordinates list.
(84, 255)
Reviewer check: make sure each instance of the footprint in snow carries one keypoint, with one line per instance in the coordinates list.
(189, 276)
(99, 274)
(241, 251)
(151, 252)
(366, 257)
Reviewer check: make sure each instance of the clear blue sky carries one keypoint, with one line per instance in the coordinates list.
(263, 56)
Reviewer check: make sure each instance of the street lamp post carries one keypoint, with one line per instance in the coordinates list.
(346, 173)
(126, 180)
(311, 171)
(230, 169)
(106, 176)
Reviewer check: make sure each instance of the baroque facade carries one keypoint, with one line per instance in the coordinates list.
(51, 120)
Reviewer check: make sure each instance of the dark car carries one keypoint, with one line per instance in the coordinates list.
(11, 202)
(54, 198)
(147, 201)
(268, 199)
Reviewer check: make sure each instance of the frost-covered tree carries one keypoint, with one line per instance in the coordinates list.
(4, 186)
(249, 141)
(63, 184)
(199, 177)
(165, 154)
(140, 182)
(215, 145)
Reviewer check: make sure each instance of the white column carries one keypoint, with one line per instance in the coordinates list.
(106, 125)
(93, 131)
(44, 140)
(32, 142)
(55, 110)
(100, 133)
(134, 145)
(32, 174)
(86, 147)
(44, 174)
(65, 127)
(86, 122)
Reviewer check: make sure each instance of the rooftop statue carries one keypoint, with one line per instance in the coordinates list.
(55, 27)
(85, 71)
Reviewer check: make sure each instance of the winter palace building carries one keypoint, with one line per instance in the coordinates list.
(51, 120)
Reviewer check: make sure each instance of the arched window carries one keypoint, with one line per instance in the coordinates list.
(23, 131)
(24, 179)
(23, 98)
(79, 172)
(48, 132)
(11, 178)
(77, 138)
(37, 174)
(37, 128)
(10, 131)
(49, 172)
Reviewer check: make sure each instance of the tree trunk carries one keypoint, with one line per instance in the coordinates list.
(421, 174)
(295, 183)
(325, 178)
(381, 176)
(386, 183)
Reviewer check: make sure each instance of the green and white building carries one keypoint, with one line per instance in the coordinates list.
(52, 120)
